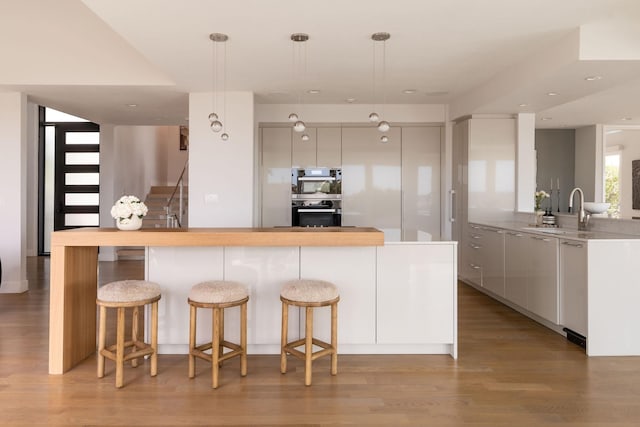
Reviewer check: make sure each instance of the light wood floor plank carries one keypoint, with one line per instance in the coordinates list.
(511, 372)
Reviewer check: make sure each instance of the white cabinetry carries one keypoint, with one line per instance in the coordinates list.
(371, 180)
(492, 260)
(531, 273)
(421, 183)
(403, 275)
(573, 290)
(542, 287)
(322, 149)
(276, 177)
(516, 253)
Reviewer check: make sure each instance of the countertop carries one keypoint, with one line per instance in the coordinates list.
(561, 233)
(279, 236)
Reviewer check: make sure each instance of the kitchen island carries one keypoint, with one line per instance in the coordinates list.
(395, 297)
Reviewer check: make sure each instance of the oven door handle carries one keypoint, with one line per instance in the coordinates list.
(316, 178)
(316, 210)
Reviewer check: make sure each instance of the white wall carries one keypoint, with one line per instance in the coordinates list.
(13, 192)
(141, 159)
(525, 162)
(221, 173)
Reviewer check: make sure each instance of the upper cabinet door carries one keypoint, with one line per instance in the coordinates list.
(371, 180)
(329, 151)
(421, 183)
(303, 153)
(276, 177)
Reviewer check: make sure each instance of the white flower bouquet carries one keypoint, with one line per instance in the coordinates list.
(126, 207)
(539, 197)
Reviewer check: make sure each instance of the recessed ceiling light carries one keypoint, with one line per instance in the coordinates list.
(552, 93)
(546, 118)
(627, 118)
(593, 78)
(132, 105)
(522, 105)
(313, 91)
(409, 91)
(350, 100)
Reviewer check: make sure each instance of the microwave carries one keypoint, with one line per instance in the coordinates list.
(320, 183)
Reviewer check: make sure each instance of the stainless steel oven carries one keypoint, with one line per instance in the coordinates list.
(316, 183)
(316, 197)
(316, 213)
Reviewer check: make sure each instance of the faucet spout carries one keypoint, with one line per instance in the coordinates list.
(583, 218)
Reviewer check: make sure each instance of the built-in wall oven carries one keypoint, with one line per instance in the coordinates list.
(316, 197)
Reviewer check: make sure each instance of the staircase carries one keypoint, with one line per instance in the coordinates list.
(157, 200)
(156, 217)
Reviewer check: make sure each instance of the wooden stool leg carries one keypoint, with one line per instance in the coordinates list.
(192, 340)
(102, 339)
(134, 334)
(334, 338)
(154, 338)
(284, 337)
(308, 345)
(243, 339)
(120, 348)
(221, 351)
(215, 347)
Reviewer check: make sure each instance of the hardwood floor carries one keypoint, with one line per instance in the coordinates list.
(511, 372)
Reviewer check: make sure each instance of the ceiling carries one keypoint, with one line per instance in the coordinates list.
(98, 58)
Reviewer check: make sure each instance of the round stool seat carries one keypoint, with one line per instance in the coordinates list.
(218, 292)
(128, 291)
(311, 291)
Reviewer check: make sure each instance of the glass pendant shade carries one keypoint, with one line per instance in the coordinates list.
(224, 136)
(299, 126)
(213, 117)
(216, 126)
(384, 138)
(305, 137)
(293, 117)
(374, 117)
(383, 126)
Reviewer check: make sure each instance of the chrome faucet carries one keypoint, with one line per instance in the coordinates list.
(583, 217)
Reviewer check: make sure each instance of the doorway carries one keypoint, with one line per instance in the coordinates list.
(69, 193)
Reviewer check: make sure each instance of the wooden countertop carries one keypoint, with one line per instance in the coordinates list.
(280, 236)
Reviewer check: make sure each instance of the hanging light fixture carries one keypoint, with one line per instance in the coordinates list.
(215, 122)
(298, 68)
(383, 125)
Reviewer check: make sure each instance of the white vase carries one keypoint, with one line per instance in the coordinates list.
(134, 223)
(539, 215)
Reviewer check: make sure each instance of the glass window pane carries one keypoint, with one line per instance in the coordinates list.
(82, 199)
(74, 138)
(89, 178)
(82, 158)
(51, 115)
(82, 219)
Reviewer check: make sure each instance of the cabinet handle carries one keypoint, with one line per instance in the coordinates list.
(544, 239)
(500, 231)
(575, 245)
(453, 205)
(475, 267)
(474, 236)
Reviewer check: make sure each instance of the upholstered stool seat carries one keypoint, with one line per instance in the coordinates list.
(121, 295)
(218, 295)
(309, 294)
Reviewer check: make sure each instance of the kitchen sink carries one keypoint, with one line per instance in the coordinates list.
(558, 231)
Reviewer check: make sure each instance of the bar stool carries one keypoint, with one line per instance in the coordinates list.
(309, 294)
(218, 295)
(120, 295)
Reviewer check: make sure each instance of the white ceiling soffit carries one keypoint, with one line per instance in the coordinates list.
(99, 55)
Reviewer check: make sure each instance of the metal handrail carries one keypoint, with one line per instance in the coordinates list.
(178, 188)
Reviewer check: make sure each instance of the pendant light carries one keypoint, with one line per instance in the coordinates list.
(298, 68)
(215, 122)
(383, 125)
